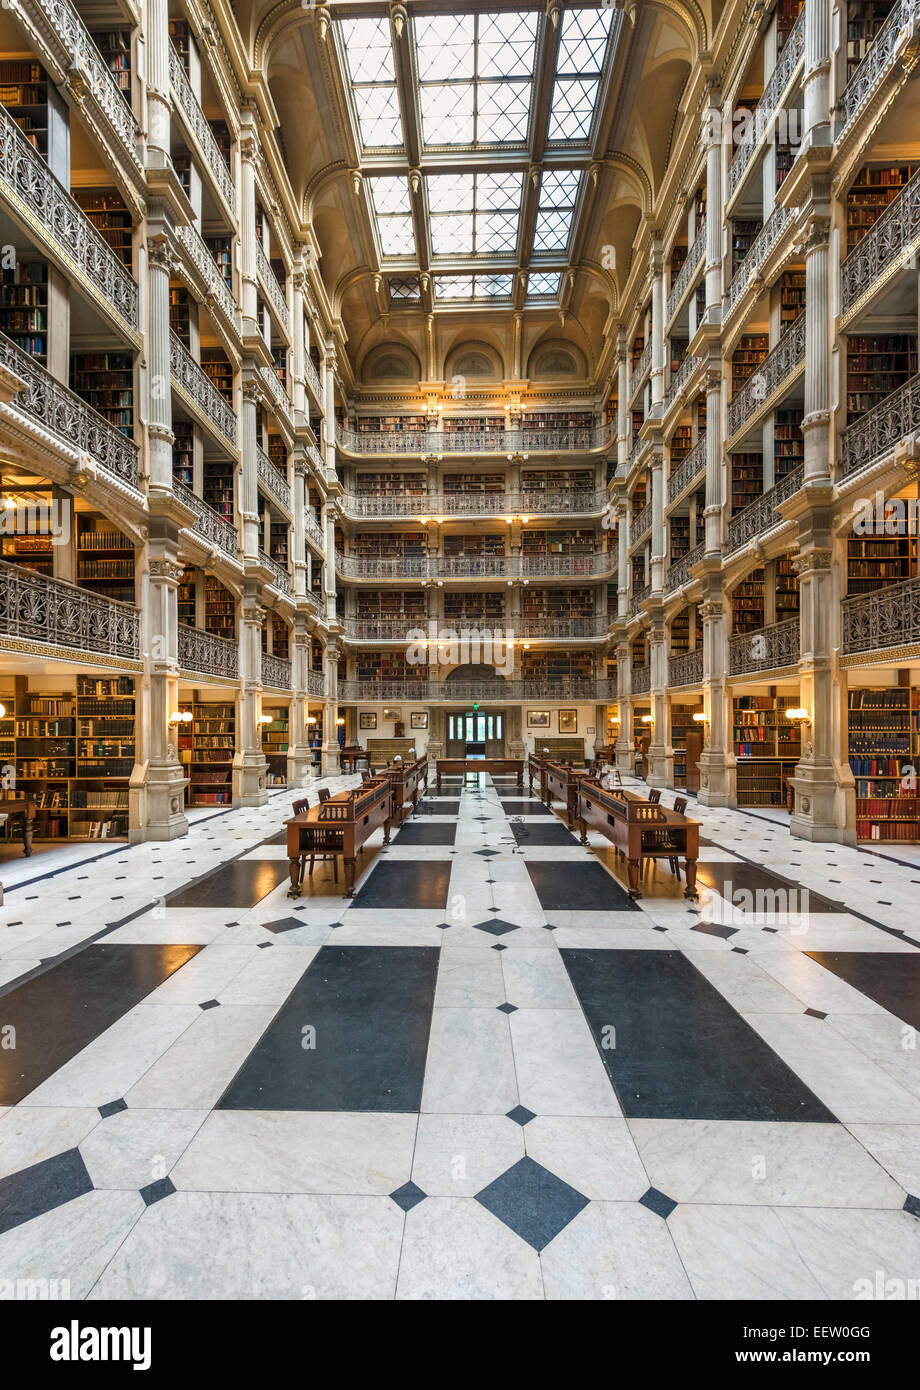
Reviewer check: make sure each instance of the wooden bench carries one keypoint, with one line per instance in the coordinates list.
(639, 829)
(340, 825)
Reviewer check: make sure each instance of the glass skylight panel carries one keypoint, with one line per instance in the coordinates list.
(541, 285)
(582, 47)
(390, 201)
(474, 214)
(475, 76)
(454, 287)
(405, 288)
(473, 287)
(496, 232)
(558, 191)
(493, 287)
(369, 60)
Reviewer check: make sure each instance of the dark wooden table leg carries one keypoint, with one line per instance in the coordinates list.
(632, 866)
(690, 890)
(386, 830)
(28, 824)
(349, 866)
(584, 831)
(294, 870)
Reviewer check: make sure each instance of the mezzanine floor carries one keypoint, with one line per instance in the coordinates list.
(489, 1075)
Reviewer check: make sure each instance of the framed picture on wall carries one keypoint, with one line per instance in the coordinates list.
(393, 714)
(538, 719)
(367, 719)
(418, 719)
(568, 721)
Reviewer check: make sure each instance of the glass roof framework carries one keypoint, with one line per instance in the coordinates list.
(478, 80)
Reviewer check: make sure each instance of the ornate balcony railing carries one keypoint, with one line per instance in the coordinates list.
(316, 458)
(279, 396)
(475, 567)
(27, 179)
(762, 515)
(641, 680)
(895, 234)
(881, 428)
(314, 530)
(778, 367)
(686, 668)
(273, 290)
(638, 599)
(791, 56)
(556, 629)
(686, 274)
(197, 123)
(209, 524)
(532, 503)
(640, 369)
(198, 253)
(67, 415)
(680, 378)
(58, 26)
(36, 608)
(640, 525)
(679, 572)
(316, 684)
(890, 617)
(421, 442)
(277, 486)
(312, 376)
(488, 692)
(207, 654)
(635, 452)
(878, 62)
(775, 227)
(201, 391)
(281, 577)
(276, 671)
(767, 649)
(688, 471)
(561, 628)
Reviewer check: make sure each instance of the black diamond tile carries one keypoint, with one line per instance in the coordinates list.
(507, 1008)
(715, 929)
(156, 1191)
(281, 924)
(499, 947)
(912, 1204)
(815, 1013)
(408, 1196)
(210, 1004)
(485, 853)
(264, 945)
(658, 1202)
(42, 1187)
(740, 950)
(532, 1202)
(496, 926)
(521, 1115)
(112, 1107)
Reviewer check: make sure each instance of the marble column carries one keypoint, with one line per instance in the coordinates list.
(656, 271)
(156, 787)
(624, 692)
(330, 749)
(717, 763)
(299, 759)
(248, 489)
(298, 481)
(249, 764)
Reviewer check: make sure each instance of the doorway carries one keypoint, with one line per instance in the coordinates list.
(476, 734)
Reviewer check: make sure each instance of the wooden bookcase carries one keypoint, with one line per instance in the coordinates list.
(183, 452)
(744, 232)
(883, 732)
(874, 562)
(877, 366)
(115, 47)
(747, 480)
(767, 747)
(751, 350)
(213, 744)
(275, 744)
(186, 598)
(791, 295)
(786, 589)
(219, 609)
(180, 313)
(218, 487)
(24, 307)
(392, 484)
(788, 444)
(748, 603)
(24, 93)
(111, 216)
(219, 247)
(869, 195)
(105, 559)
(105, 380)
(216, 366)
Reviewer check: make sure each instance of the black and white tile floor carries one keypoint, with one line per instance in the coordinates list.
(488, 1075)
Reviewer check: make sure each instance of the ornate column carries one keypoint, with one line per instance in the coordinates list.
(717, 773)
(817, 774)
(159, 110)
(656, 273)
(656, 468)
(249, 153)
(330, 513)
(623, 513)
(160, 263)
(660, 751)
(624, 703)
(249, 469)
(155, 791)
(816, 87)
(328, 380)
(298, 340)
(330, 749)
(624, 433)
(298, 479)
(516, 745)
(299, 760)
(249, 764)
(714, 138)
(436, 718)
(816, 422)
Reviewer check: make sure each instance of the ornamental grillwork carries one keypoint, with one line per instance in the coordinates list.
(31, 184)
(882, 428)
(316, 684)
(200, 129)
(640, 525)
(67, 415)
(792, 55)
(638, 599)
(889, 617)
(786, 359)
(483, 691)
(686, 668)
(680, 378)
(208, 524)
(894, 234)
(276, 671)
(281, 578)
(474, 567)
(199, 387)
(687, 273)
(207, 653)
(271, 287)
(314, 531)
(312, 377)
(199, 255)
(40, 609)
(271, 479)
(641, 680)
(279, 396)
(690, 470)
(773, 230)
(641, 367)
(877, 63)
(762, 514)
(556, 502)
(473, 441)
(768, 649)
(679, 572)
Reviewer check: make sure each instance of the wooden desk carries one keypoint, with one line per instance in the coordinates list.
(352, 759)
(639, 829)
(560, 782)
(21, 808)
(342, 824)
(409, 781)
(535, 765)
(445, 766)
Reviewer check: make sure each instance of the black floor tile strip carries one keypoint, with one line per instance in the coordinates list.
(416, 887)
(369, 1009)
(889, 978)
(64, 1009)
(42, 1187)
(239, 883)
(564, 886)
(419, 833)
(675, 1049)
(529, 833)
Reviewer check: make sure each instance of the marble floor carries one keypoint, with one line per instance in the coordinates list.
(491, 1074)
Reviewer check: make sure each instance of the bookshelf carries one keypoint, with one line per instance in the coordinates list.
(24, 93)
(180, 313)
(680, 544)
(869, 195)
(213, 744)
(786, 590)
(748, 603)
(392, 484)
(578, 542)
(391, 545)
(877, 366)
(186, 597)
(30, 552)
(744, 232)
(281, 638)
(747, 480)
(183, 452)
(751, 350)
(115, 47)
(219, 247)
(216, 366)
(275, 745)
(874, 562)
(682, 723)
(387, 666)
(181, 40)
(105, 559)
(105, 380)
(390, 424)
(315, 736)
(556, 665)
(791, 295)
(471, 424)
(218, 487)
(24, 307)
(470, 484)
(681, 443)
(392, 606)
(557, 480)
(882, 727)
(788, 444)
(487, 606)
(110, 215)
(767, 747)
(550, 604)
(219, 609)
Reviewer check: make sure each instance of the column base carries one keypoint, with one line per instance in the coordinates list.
(717, 782)
(660, 768)
(156, 801)
(299, 768)
(814, 816)
(623, 756)
(330, 760)
(249, 773)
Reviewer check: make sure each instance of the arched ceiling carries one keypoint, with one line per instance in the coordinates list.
(461, 165)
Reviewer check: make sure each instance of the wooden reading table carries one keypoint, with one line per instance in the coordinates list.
(560, 782)
(21, 808)
(341, 824)
(446, 766)
(639, 829)
(353, 759)
(409, 780)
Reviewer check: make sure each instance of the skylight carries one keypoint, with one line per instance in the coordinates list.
(474, 214)
(369, 58)
(541, 286)
(558, 192)
(404, 287)
(390, 197)
(475, 76)
(479, 287)
(582, 47)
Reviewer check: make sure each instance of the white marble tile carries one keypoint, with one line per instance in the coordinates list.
(853, 1254)
(559, 1071)
(195, 1071)
(68, 1248)
(896, 1148)
(136, 1147)
(614, 1251)
(537, 980)
(595, 1155)
(459, 1155)
(738, 1252)
(469, 977)
(454, 1249)
(31, 1134)
(470, 1067)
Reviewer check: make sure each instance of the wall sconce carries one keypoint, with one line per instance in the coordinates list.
(701, 719)
(798, 714)
(311, 719)
(265, 719)
(181, 716)
(340, 721)
(2, 711)
(646, 719)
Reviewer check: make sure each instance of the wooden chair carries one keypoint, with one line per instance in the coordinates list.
(301, 807)
(680, 804)
(654, 795)
(324, 795)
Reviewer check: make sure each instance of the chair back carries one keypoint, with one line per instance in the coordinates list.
(680, 804)
(323, 794)
(301, 807)
(654, 796)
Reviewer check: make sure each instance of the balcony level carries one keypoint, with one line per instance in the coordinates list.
(386, 443)
(38, 612)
